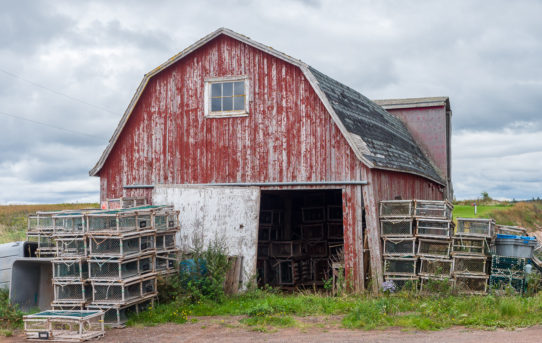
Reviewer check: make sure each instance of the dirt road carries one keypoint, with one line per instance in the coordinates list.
(227, 329)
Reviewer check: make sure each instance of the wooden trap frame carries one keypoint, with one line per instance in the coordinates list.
(64, 326)
(397, 227)
(120, 269)
(470, 265)
(435, 267)
(434, 248)
(399, 246)
(396, 208)
(433, 209)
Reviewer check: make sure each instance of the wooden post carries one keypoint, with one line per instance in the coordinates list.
(373, 233)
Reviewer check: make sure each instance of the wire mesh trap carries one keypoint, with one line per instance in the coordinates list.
(166, 263)
(399, 246)
(66, 326)
(41, 222)
(510, 230)
(117, 315)
(71, 291)
(70, 269)
(475, 227)
(165, 219)
(285, 249)
(433, 209)
(71, 223)
(123, 269)
(504, 282)
(435, 267)
(434, 284)
(165, 241)
(315, 249)
(470, 246)
(504, 265)
(470, 284)
(434, 248)
(434, 228)
(396, 208)
(122, 245)
(122, 292)
(470, 265)
(313, 214)
(68, 246)
(119, 221)
(334, 213)
(400, 266)
(335, 231)
(399, 227)
(312, 231)
(404, 283)
(46, 244)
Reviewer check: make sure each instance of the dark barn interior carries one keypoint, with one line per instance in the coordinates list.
(300, 237)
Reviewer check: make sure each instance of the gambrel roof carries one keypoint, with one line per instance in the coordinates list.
(379, 139)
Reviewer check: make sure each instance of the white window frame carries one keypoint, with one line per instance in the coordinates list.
(223, 114)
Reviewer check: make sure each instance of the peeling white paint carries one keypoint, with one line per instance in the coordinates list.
(229, 214)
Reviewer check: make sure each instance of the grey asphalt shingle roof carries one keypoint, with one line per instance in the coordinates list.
(388, 144)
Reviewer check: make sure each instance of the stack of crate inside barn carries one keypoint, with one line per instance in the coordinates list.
(470, 251)
(109, 259)
(300, 253)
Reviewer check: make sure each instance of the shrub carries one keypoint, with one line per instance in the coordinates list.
(10, 316)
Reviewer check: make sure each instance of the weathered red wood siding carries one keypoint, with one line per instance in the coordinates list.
(288, 136)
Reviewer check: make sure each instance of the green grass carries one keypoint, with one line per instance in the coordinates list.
(483, 211)
(262, 311)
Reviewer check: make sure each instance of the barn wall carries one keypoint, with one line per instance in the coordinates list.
(428, 127)
(288, 135)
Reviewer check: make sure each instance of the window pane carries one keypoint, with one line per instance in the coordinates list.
(216, 89)
(215, 105)
(227, 104)
(227, 89)
(239, 88)
(239, 103)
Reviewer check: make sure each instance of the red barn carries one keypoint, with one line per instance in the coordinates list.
(256, 147)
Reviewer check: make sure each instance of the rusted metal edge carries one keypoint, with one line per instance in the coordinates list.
(261, 184)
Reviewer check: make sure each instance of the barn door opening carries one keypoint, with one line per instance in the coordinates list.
(300, 237)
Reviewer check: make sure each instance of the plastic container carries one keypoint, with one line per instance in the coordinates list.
(515, 246)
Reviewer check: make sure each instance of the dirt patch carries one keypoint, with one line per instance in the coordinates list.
(312, 329)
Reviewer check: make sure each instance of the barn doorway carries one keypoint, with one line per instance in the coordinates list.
(300, 237)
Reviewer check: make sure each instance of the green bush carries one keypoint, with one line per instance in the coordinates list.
(10, 316)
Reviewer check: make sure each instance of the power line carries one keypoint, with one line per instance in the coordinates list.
(51, 126)
(56, 92)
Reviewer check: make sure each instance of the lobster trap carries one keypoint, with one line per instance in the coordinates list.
(434, 248)
(469, 246)
(319, 270)
(434, 228)
(438, 267)
(475, 227)
(405, 266)
(470, 284)
(65, 326)
(399, 227)
(118, 270)
(121, 245)
(165, 241)
(313, 214)
(312, 231)
(68, 246)
(71, 292)
(335, 231)
(46, 244)
(116, 316)
(503, 282)
(123, 292)
(166, 263)
(285, 249)
(399, 246)
(334, 213)
(270, 217)
(126, 202)
(70, 269)
(70, 223)
(396, 208)
(41, 222)
(165, 219)
(316, 248)
(504, 265)
(510, 230)
(434, 284)
(470, 265)
(120, 221)
(433, 209)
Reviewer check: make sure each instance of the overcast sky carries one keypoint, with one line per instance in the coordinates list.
(75, 65)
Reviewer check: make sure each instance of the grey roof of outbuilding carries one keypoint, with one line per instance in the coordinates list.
(386, 140)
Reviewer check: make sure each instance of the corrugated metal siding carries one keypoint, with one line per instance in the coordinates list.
(288, 135)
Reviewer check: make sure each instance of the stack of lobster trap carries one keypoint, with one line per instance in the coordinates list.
(109, 259)
(470, 252)
(416, 231)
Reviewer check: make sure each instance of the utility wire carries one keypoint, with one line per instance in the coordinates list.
(51, 126)
(56, 92)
